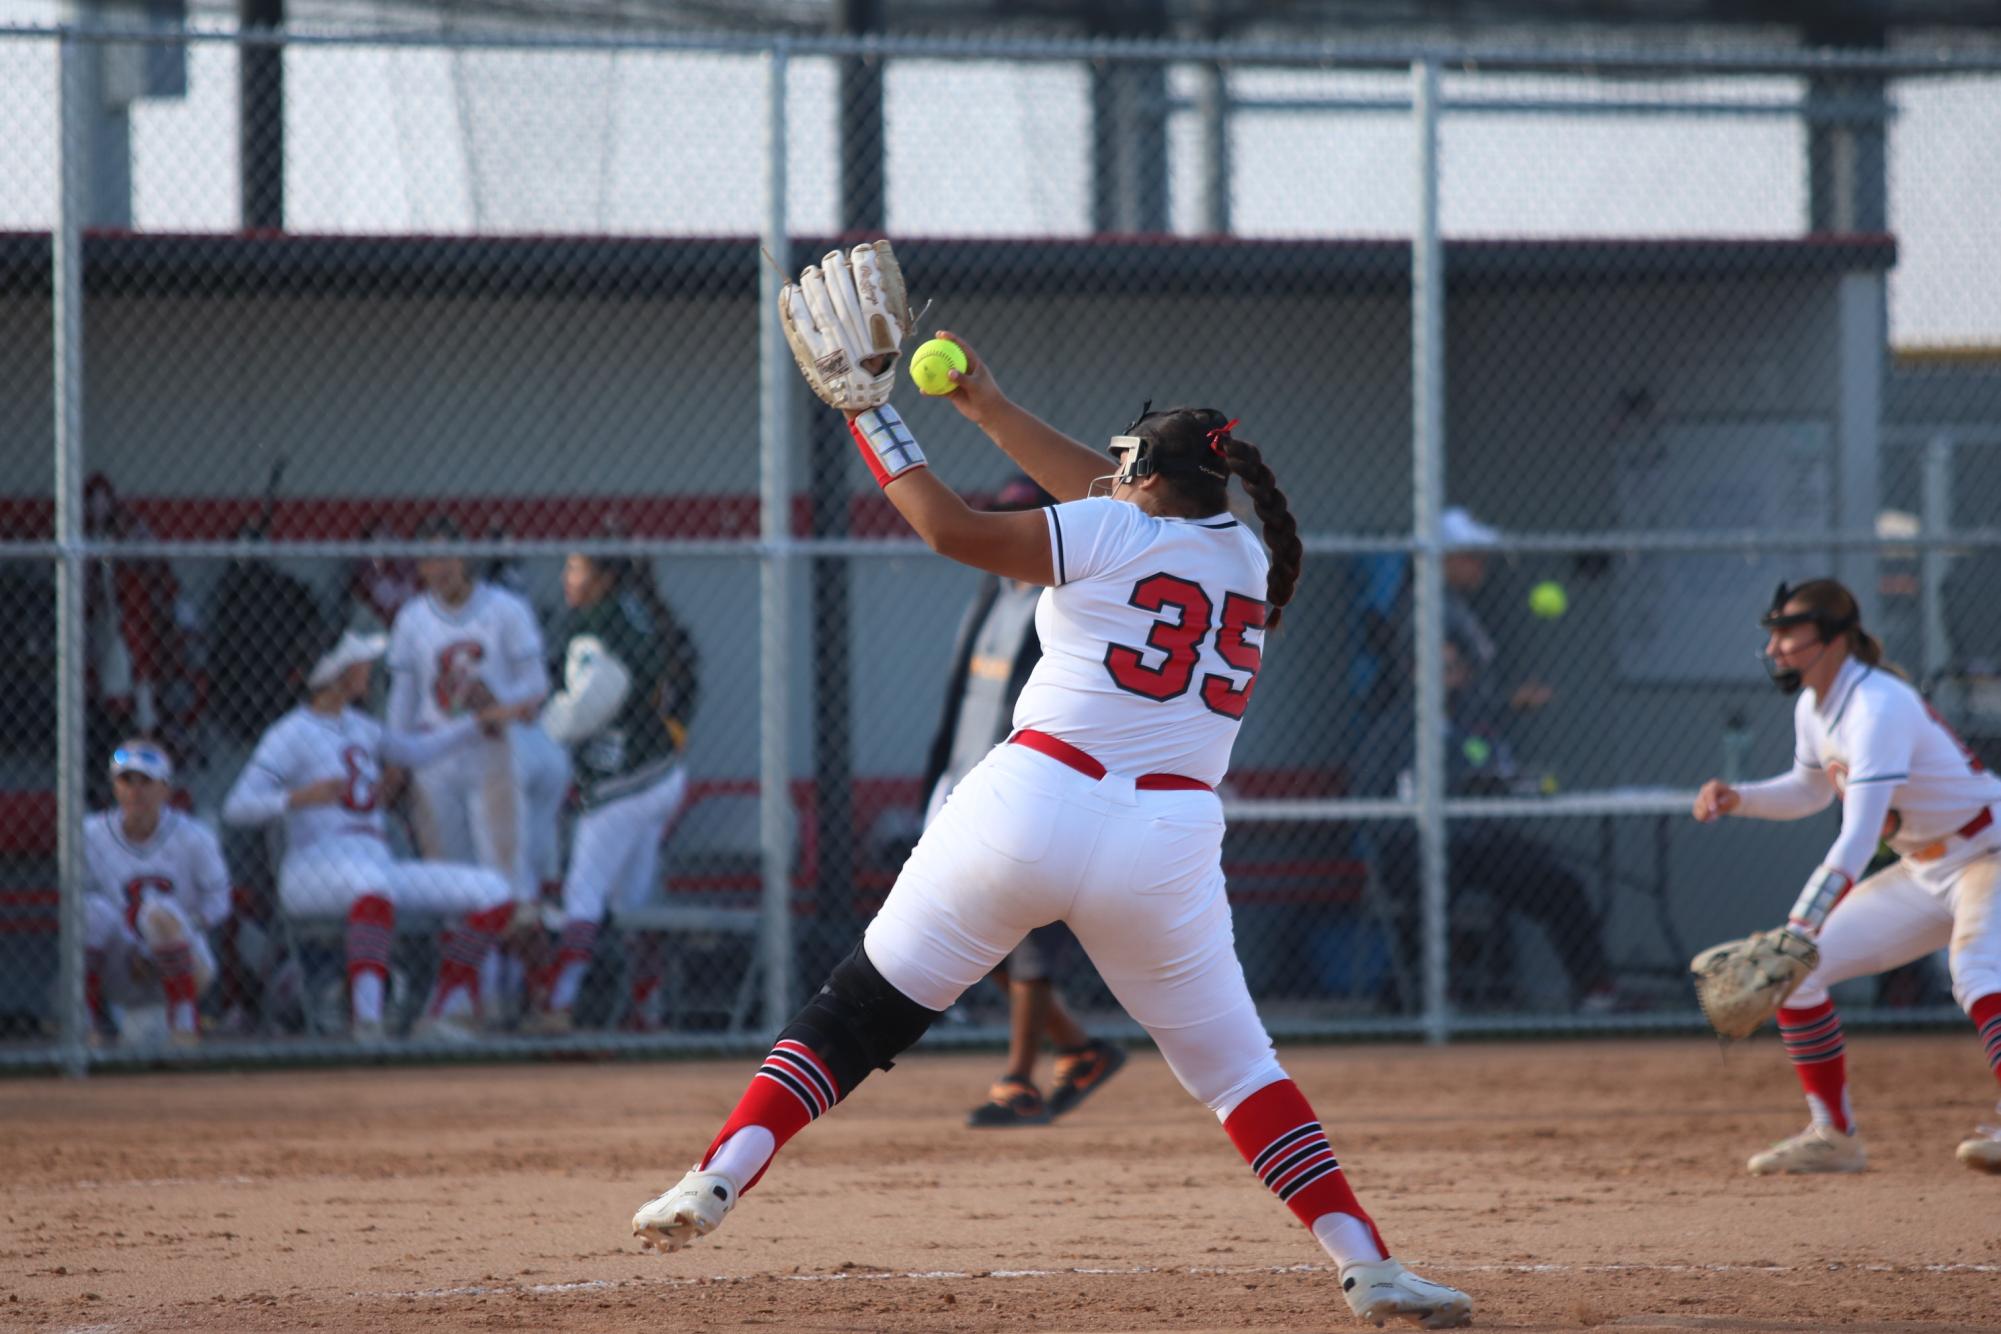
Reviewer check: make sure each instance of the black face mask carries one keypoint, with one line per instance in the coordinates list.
(1789, 679)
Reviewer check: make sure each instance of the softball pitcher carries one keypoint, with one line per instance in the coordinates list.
(319, 768)
(1100, 810)
(157, 886)
(1865, 737)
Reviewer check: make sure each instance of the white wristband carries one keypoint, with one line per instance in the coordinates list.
(1824, 889)
(887, 445)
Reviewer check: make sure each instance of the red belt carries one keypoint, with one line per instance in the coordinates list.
(1931, 852)
(1064, 753)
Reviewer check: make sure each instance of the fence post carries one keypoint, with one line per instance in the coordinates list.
(776, 818)
(66, 332)
(1427, 365)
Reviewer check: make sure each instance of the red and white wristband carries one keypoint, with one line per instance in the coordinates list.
(887, 445)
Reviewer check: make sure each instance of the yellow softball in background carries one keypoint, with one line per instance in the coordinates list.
(1548, 600)
(932, 364)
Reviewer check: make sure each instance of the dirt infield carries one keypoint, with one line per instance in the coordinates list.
(1566, 1186)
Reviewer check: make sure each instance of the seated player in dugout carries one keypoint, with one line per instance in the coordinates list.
(155, 886)
(1100, 810)
(995, 651)
(1521, 874)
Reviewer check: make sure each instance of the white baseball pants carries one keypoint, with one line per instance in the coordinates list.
(1906, 911)
(1025, 840)
(497, 803)
(325, 879)
(160, 920)
(615, 849)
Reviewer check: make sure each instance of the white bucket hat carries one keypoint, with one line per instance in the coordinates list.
(351, 649)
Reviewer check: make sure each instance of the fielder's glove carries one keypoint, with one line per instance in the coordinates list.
(1742, 983)
(845, 319)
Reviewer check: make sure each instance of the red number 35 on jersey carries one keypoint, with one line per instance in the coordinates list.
(1183, 615)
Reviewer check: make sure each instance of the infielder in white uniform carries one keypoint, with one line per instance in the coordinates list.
(319, 768)
(1100, 810)
(156, 886)
(1865, 737)
(451, 649)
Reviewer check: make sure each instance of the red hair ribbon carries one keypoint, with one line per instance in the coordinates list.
(1216, 436)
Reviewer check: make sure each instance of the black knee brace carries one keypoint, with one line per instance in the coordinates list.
(858, 1022)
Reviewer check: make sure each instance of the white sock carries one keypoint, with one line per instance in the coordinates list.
(181, 1016)
(1346, 1238)
(743, 1155)
(568, 983)
(456, 1003)
(365, 993)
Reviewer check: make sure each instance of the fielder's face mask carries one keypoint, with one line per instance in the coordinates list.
(1788, 679)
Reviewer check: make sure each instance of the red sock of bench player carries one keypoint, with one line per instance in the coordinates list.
(791, 1090)
(649, 965)
(1813, 1040)
(464, 949)
(371, 929)
(176, 965)
(1281, 1139)
(1986, 1016)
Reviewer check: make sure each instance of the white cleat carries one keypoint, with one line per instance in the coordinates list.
(1815, 1149)
(1379, 1289)
(1982, 1153)
(694, 1208)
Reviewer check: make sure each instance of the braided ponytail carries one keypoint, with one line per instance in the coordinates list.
(1280, 528)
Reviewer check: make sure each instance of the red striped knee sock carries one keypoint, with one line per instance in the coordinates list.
(176, 965)
(1813, 1041)
(791, 1090)
(1281, 1139)
(463, 950)
(1986, 1015)
(371, 930)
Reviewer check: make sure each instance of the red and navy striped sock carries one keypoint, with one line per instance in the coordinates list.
(1986, 1015)
(1813, 1042)
(1281, 1139)
(790, 1091)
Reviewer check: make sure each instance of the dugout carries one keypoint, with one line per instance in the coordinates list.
(552, 380)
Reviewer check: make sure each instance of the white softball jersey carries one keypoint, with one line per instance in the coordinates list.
(1151, 643)
(182, 862)
(435, 650)
(1874, 730)
(336, 852)
(1151, 638)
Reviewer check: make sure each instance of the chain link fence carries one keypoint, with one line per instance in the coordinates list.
(466, 343)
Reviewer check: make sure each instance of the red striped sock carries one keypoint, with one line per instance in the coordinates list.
(790, 1091)
(1281, 1139)
(176, 964)
(371, 930)
(463, 951)
(1986, 1015)
(1813, 1042)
